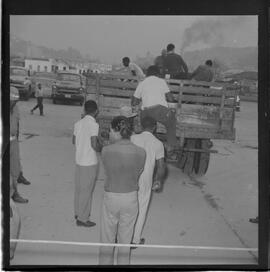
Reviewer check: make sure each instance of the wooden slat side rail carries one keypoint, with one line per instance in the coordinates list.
(113, 83)
(202, 91)
(116, 92)
(194, 83)
(203, 100)
(118, 76)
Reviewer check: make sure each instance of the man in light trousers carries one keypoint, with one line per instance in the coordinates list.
(87, 143)
(154, 158)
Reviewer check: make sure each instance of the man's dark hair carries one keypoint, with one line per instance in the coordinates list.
(122, 125)
(148, 122)
(209, 62)
(90, 106)
(126, 60)
(170, 47)
(152, 71)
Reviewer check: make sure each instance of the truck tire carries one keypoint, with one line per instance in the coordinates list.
(201, 159)
(54, 101)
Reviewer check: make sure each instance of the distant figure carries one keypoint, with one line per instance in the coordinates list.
(123, 163)
(39, 96)
(174, 65)
(204, 72)
(86, 141)
(135, 70)
(159, 62)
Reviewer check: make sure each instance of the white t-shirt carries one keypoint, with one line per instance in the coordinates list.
(154, 151)
(84, 129)
(139, 72)
(152, 91)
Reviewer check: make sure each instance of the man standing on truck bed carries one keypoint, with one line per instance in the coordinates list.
(204, 72)
(174, 65)
(153, 93)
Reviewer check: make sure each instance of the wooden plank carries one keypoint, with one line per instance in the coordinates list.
(204, 112)
(203, 91)
(114, 83)
(115, 92)
(202, 83)
(118, 76)
(115, 102)
(206, 100)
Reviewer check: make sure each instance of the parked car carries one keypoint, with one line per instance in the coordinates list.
(69, 86)
(20, 78)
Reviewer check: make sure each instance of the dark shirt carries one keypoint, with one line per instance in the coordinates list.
(174, 64)
(159, 62)
(203, 73)
(123, 162)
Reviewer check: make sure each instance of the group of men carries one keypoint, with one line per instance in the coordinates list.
(129, 174)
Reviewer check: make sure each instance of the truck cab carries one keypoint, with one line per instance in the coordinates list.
(20, 78)
(69, 86)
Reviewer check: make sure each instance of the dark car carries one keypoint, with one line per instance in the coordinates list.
(20, 78)
(69, 86)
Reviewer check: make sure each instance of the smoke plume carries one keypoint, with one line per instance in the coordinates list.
(212, 32)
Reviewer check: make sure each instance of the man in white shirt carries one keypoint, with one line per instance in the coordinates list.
(154, 93)
(135, 70)
(87, 144)
(39, 96)
(154, 157)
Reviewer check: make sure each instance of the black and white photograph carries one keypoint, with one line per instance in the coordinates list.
(133, 140)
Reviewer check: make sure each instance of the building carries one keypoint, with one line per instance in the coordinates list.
(39, 64)
(46, 65)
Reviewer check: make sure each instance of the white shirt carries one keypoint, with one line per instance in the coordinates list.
(84, 129)
(152, 91)
(154, 151)
(138, 71)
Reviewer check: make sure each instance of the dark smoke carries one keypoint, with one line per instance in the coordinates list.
(211, 32)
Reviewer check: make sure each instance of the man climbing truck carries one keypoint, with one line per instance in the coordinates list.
(204, 111)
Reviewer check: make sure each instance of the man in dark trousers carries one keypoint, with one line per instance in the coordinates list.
(39, 96)
(204, 72)
(174, 65)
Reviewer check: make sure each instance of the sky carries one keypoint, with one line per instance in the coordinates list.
(109, 38)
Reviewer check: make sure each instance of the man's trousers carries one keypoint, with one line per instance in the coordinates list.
(118, 217)
(85, 179)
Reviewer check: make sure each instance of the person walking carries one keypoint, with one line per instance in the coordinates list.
(14, 156)
(174, 65)
(39, 96)
(123, 163)
(86, 141)
(154, 159)
(154, 93)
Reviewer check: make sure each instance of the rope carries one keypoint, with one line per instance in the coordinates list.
(132, 245)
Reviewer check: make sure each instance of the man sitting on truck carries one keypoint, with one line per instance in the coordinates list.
(154, 93)
(204, 72)
(174, 65)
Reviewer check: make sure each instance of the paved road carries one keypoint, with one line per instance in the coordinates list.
(209, 211)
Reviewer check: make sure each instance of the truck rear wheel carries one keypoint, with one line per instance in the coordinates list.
(201, 159)
(191, 162)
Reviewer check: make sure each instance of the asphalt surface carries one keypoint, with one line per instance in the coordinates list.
(211, 211)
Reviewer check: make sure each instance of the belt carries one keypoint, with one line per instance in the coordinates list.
(151, 107)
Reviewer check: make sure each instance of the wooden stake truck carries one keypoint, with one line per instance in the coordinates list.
(204, 111)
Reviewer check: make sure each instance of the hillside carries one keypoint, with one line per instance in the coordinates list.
(225, 57)
(245, 58)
